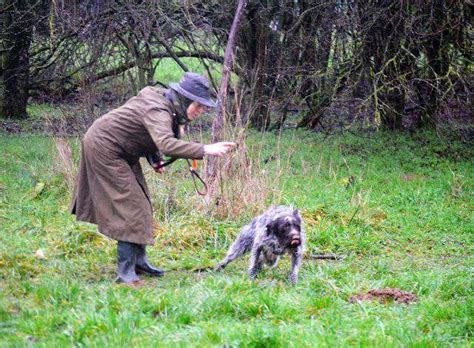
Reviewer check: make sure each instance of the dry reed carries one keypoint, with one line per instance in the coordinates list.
(64, 162)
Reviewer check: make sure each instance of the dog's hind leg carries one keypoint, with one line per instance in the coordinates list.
(241, 246)
(256, 262)
(231, 256)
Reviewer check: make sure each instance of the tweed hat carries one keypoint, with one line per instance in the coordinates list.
(194, 87)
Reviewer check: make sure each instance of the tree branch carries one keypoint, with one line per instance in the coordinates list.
(123, 68)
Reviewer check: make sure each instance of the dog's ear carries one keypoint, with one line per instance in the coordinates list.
(297, 216)
(270, 228)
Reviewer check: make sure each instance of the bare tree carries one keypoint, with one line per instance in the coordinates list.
(384, 64)
(17, 19)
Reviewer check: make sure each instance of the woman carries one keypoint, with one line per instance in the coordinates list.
(111, 191)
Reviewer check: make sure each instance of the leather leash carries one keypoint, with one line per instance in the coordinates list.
(194, 175)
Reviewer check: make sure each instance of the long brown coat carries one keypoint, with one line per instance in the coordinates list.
(110, 189)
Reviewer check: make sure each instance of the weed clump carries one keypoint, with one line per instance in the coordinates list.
(242, 184)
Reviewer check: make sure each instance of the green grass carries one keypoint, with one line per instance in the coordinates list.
(169, 71)
(399, 208)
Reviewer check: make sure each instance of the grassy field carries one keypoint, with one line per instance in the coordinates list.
(399, 208)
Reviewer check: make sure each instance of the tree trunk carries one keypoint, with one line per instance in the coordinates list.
(16, 34)
(438, 60)
(219, 120)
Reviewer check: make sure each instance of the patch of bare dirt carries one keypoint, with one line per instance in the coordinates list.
(385, 295)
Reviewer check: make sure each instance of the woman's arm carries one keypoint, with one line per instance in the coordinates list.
(158, 123)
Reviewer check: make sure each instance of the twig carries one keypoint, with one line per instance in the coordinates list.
(192, 270)
(326, 256)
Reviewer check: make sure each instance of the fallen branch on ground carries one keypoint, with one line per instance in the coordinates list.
(326, 256)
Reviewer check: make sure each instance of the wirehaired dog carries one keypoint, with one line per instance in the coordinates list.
(268, 236)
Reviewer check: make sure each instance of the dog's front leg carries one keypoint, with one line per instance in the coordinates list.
(296, 257)
(255, 262)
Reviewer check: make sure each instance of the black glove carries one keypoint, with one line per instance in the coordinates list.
(154, 159)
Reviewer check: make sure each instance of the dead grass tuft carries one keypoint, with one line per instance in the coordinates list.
(64, 162)
(241, 185)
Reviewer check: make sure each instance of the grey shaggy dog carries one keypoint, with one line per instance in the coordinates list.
(268, 236)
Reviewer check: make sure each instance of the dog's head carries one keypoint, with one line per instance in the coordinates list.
(287, 229)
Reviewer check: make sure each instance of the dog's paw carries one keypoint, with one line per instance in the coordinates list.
(252, 274)
(293, 278)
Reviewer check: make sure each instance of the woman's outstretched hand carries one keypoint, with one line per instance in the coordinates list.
(218, 149)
